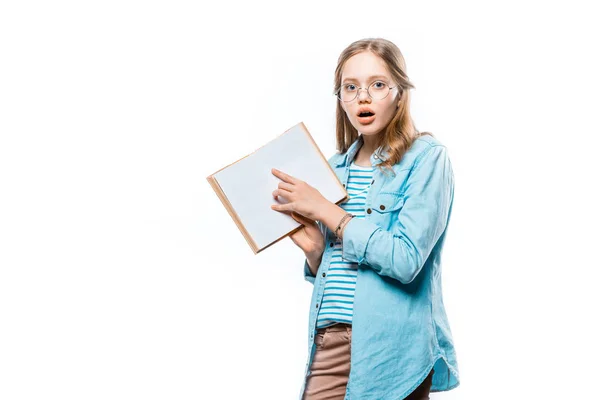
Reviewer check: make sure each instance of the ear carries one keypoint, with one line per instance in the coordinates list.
(399, 97)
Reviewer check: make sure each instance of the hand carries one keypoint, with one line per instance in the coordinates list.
(301, 197)
(309, 238)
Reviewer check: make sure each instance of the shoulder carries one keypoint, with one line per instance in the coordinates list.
(424, 144)
(423, 148)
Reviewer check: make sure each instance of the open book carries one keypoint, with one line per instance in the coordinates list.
(246, 186)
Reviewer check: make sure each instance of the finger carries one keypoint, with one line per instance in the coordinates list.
(297, 217)
(281, 207)
(283, 176)
(307, 237)
(282, 193)
(285, 186)
(302, 219)
(292, 237)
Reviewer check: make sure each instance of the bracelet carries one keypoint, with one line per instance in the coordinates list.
(348, 215)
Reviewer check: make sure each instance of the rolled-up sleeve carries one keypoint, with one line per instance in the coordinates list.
(308, 276)
(401, 253)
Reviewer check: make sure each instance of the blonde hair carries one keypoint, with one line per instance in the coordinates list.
(401, 132)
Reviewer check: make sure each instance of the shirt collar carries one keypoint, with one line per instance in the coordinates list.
(377, 157)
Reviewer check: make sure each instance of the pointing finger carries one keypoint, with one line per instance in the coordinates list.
(283, 176)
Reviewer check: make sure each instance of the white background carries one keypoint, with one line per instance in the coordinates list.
(123, 277)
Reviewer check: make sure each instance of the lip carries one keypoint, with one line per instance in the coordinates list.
(364, 110)
(366, 120)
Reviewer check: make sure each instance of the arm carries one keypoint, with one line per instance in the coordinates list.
(312, 262)
(402, 253)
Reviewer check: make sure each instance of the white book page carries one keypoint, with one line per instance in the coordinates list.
(249, 183)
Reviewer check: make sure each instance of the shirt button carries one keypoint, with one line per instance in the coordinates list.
(317, 306)
(376, 156)
(323, 274)
(382, 207)
(368, 211)
(331, 244)
(343, 184)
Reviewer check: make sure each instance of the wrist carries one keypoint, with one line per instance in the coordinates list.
(330, 215)
(313, 262)
(340, 232)
(340, 227)
(315, 254)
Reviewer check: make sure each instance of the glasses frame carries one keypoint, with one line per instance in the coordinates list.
(339, 92)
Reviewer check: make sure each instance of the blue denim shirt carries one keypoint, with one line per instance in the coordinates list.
(399, 327)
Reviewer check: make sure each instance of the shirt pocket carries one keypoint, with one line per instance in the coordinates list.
(386, 207)
(388, 202)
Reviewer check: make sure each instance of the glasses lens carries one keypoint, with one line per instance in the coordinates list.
(348, 92)
(379, 90)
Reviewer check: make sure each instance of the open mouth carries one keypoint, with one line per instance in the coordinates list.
(365, 115)
(364, 112)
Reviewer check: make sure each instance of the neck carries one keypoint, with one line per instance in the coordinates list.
(369, 144)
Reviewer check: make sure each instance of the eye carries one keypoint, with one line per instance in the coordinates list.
(379, 85)
(349, 87)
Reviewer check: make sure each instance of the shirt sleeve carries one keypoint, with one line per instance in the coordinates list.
(401, 253)
(308, 276)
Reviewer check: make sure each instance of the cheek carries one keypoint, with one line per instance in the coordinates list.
(389, 110)
(348, 111)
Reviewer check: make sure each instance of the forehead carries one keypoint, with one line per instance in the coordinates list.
(364, 65)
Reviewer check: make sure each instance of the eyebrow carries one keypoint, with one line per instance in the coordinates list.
(369, 79)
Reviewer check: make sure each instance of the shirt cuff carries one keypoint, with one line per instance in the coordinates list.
(356, 236)
(308, 276)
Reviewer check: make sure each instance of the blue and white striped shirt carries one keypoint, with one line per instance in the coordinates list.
(338, 297)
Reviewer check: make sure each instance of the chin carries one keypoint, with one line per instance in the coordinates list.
(370, 130)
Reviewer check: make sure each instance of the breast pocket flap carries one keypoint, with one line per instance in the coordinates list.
(388, 202)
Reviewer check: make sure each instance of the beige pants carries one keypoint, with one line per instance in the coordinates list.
(330, 368)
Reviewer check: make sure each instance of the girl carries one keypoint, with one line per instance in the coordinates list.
(377, 325)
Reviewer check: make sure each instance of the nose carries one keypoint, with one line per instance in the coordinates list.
(363, 96)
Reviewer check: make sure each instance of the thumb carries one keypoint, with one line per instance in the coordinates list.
(302, 219)
(297, 217)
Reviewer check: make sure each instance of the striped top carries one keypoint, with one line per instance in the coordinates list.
(340, 282)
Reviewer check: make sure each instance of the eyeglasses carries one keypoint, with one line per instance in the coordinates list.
(377, 90)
